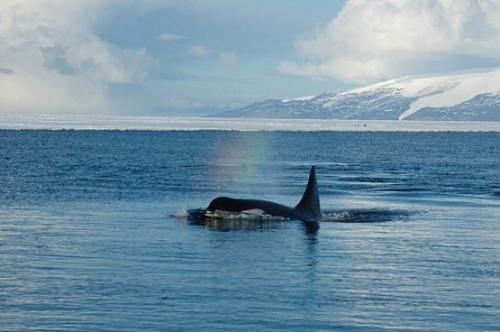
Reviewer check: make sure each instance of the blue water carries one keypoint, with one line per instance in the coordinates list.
(94, 234)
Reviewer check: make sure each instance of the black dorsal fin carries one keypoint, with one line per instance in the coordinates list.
(308, 208)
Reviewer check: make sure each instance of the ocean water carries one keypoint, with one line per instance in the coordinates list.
(94, 234)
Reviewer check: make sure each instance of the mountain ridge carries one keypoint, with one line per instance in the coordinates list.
(456, 97)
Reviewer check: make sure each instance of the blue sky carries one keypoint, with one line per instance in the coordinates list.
(194, 57)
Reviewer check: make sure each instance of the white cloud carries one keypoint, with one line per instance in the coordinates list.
(199, 51)
(373, 40)
(167, 36)
(56, 61)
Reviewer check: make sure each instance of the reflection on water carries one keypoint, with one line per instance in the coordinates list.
(239, 221)
(252, 222)
(225, 225)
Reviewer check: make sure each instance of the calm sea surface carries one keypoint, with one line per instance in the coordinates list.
(94, 234)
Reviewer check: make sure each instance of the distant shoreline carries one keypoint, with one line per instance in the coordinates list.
(161, 123)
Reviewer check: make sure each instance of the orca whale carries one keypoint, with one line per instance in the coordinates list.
(307, 210)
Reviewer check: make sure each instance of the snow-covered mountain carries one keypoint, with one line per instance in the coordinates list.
(471, 96)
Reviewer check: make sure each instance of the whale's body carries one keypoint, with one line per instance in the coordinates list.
(307, 210)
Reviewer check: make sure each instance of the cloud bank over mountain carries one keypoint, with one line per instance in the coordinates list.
(373, 40)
